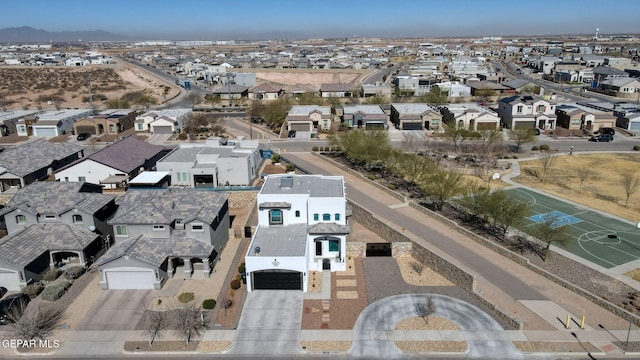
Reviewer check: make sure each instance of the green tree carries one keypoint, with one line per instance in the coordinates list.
(276, 111)
(504, 211)
(522, 136)
(310, 98)
(257, 109)
(443, 185)
(117, 103)
(376, 100)
(413, 168)
(435, 97)
(549, 232)
(456, 135)
(364, 147)
(485, 94)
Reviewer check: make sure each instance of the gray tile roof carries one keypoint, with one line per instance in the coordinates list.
(127, 154)
(329, 228)
(21, 248)
(55, 197)
(155, 251)
(25, 159)
(288, 240)
(163, 206)
(274, 205)
(313, 185)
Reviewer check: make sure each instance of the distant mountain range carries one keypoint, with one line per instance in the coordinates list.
(28, 34)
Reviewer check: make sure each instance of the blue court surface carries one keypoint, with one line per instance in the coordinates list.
(595, 237)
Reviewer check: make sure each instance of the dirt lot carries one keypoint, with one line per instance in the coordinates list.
(29, 87)
(603, 190)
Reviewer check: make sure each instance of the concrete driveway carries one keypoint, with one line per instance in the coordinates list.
(116, 310)
(270, 323)
(373, 337)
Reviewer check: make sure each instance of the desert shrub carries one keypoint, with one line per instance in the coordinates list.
(235, 284)
(51, 274)
(544, 147)
(391, 186)
(636, 147)
(371, 177)
(535, 148)
(33, 290)
(239, 277)
(55, 292)
(208, 304)
(186, 297)
(315, 148)
(73, 273)
(275, 158)
(514, 157)
(242, 268)
(182, 136)
(290, 167)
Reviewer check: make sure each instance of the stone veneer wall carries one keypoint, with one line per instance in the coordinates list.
(356, 249)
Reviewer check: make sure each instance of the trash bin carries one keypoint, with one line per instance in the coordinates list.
(247, 231)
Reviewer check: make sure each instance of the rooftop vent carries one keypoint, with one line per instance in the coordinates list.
(286, 182)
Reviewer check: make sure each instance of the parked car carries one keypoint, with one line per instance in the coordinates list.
(12, 307)
(83, 136)
(602, 137)
(607, 130)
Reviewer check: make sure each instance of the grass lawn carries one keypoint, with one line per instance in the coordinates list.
(603, 190)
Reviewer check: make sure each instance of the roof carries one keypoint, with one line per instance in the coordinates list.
(608, 70)
(287, 240)
(306, 110)
(149, 177)
(329, 228)
(266, 88)
(516, 83)
(126, 155)
(25, 159)
(339, 87)
(525, 99)
(621, 81)
(155, 251)
(21, 248)
(163, 206)
(235, 89)
(313, 185)
(367, 109)
(479, 85)
(58, 197)
(412, 108)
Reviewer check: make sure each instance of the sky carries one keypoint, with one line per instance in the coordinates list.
(301, 19)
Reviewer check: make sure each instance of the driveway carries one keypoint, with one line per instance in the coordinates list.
(270, 323)
(372, 333)
(158, 139)
(116, 310)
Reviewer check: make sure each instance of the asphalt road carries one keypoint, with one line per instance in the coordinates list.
(508, 283)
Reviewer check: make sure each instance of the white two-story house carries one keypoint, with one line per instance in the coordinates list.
(527, 112)
(302, 227)
(164, 233)
(470, 116)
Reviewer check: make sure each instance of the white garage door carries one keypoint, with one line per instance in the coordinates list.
(10, 280)
(130, 279)
(634, 126)
(162, 130)
(44, 132)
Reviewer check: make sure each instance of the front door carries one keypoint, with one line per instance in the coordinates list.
(326, 264)
(318, 248)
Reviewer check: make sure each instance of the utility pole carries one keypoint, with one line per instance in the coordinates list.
(229, 77)
(88, 79)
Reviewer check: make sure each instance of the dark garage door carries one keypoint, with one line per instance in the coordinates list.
(277, 280)
(86, 129)
(299, 127)
(411, 126)
(378, 249)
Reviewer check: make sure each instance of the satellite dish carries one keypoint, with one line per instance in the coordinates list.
(92, 228)
(496, 176)
(257, 250)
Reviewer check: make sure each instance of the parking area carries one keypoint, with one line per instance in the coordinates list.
(116, 310)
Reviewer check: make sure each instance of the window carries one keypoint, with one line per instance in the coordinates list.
(82, 179)
(326, 217)
(112, 128)
(178, 176)
(66, 178)
(275, 217)
(519, 109)
(336, 217)
(21, 219)
(158, 227)
(334, 245)
(50, 217)
(297, 213)
(575, 122)
(121, 230)
(140, 126)
(184, 176)
(196, 227)
(315, 217)
(77, 219)
(542, 108)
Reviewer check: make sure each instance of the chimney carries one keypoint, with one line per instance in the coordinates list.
(286, 182)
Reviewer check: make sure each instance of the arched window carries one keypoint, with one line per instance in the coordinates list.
(275, 217)
(77, 219)
(21, 219)
(326, 217)
(297, 213)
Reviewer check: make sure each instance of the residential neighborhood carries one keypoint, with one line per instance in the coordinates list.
(289, 184)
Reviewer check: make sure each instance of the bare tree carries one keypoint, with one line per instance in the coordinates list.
(417, 266)
(583, 173)
(35, 323)
(157, 322)
(425, 309)
(631, 183)
(521, 137)
(194, 99)
(547, 161)
(550, 231)
(187, 322)
(226, 304)
(457, 135)
(489, 140)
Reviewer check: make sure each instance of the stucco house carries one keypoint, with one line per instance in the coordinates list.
(109, 122)
(527, 112)
(364, 116)
(265, 92)
(308, 118)
(36, 160)
(470, 116)
(579, 117)
(116, 164)
(164, 233)
(413, 116)
(340, 90)
(217, 162)
(302, 227)
(164, 121)
(50, 223)
(52, 123)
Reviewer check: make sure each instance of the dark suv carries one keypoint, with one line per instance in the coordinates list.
(602, 137)
(607, 130)
(12, 307)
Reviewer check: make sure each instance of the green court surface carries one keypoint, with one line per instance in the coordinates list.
(600, 239)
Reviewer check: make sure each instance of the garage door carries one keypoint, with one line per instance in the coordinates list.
(44, 132)
(86, 129)
(130, 279)
(411, 126)
(487, 126)
(375, 126)
(277, 280)
(525, 125)
(299, 127)
(634, 126)
(162, 130)
(10, 280)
